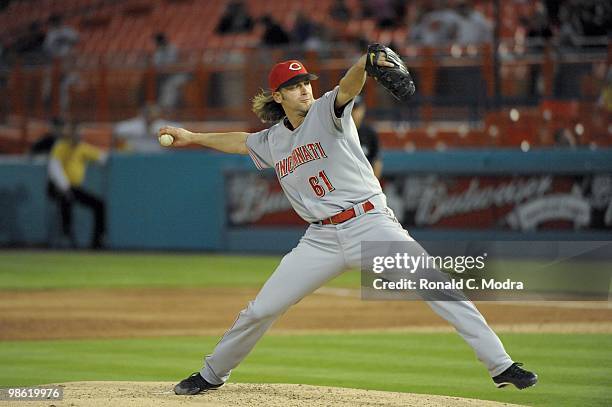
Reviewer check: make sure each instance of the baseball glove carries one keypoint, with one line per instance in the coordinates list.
(396, 80)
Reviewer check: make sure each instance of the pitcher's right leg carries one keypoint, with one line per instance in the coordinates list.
(317, 259)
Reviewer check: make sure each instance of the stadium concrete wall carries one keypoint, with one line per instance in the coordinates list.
(177, 200)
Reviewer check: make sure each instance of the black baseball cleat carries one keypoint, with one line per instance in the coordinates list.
(194, 384)
(520, 378)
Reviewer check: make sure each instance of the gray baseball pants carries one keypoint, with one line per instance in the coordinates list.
(322, 254)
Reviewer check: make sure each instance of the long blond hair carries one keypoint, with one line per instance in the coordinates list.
(266, 108)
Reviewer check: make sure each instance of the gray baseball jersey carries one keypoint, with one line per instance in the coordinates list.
(320, 165)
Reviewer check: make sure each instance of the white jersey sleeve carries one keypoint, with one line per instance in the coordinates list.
(327, 103)
(259, 149)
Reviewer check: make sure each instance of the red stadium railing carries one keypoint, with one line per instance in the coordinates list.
(108, 89)
(111, 75)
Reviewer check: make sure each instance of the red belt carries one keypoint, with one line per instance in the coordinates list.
(347, 214)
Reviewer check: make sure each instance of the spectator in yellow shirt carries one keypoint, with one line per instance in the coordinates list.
(605, 99)
(67, 166)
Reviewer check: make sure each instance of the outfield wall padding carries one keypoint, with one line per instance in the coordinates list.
(176, 200)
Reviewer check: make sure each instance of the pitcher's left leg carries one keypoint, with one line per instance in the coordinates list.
(463, 315)
(473, 328)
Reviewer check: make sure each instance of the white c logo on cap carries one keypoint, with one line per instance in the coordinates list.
(295, 66)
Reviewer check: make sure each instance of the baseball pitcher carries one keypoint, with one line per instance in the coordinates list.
(313, 147)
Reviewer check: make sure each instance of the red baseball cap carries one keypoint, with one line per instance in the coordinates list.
(288, 73)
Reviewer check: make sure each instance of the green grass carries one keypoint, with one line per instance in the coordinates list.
(419, 363)
(31, 270)
(575, 369)
(25, 270)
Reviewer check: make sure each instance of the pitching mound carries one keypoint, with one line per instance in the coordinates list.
(145, 394)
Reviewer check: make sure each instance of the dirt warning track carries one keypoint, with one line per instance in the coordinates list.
(120, 313)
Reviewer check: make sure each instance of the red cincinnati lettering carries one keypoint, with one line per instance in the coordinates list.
(320, 147)
(299, 157)
(306, 153)
(314, 151)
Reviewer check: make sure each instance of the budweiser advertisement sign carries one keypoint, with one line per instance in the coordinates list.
(524, 203)
(258, 199)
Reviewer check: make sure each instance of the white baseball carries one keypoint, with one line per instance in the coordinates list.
(166, 140)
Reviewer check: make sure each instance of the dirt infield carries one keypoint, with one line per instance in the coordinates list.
(120, 313)
(145, 394)
(124, 313)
